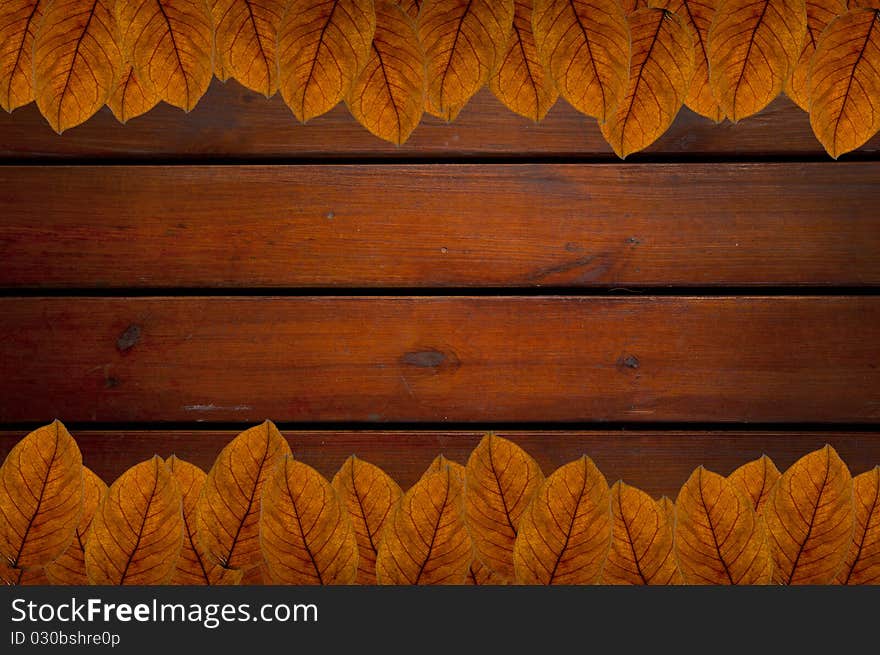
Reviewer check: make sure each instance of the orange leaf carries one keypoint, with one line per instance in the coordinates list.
(863, 4)
(228, 511)
(137, 532)
(719, 540)
(461, 39)
(131, 99)
(76, 61)
(819, 14)
(755, 479)
(585, 45)
(500, 481)
(810, 516)
(369, 496)
(565, 534)
(752, 47)
(440, 464)
(18, 20)
(862, 563)
(668, 508)
(170, 45)
(632, 6)
(70, 567)
(481, 575)
(11, 577)
(388, 97)
(322, 47)
(41, 492)
(411, 7)
(845, 82)
(256, 576)
(221, 66)
(305, 531)
(426, 540)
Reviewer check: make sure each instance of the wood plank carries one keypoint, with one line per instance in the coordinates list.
(463, 359)
(231, 122)
(440, 225)
(658, 462)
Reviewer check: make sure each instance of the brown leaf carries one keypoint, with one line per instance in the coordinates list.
(411, 7)
(137, 532)
(520, 80)
(305, 531)
(322, 47)
(131, 99)
(256, 576)
(41, 491)
(11, 577)
(19, 20)
(440, 464)
(221, 66)
(388, 97)
(863, 4)
(862, 562)
(462, 39)
(752, 47)
(632, 6)
(565, 534)
(369, 496)
(660, 73)
(641, 541)
(170, 45)
(76, 61)
(719, 540)
(481, 575)
(845, 82)
(427, 541)
(70, 567)
(501, 479)
(819, 14)
(228, 511)
(585, 45)
(755, 479)
(810, 517)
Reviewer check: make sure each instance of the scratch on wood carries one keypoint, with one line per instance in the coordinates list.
(216, 408)
(129, 338)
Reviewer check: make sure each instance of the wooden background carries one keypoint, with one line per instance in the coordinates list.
(168, 283)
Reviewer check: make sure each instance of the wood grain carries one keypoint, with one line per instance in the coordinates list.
(392, 359)
(440, 225)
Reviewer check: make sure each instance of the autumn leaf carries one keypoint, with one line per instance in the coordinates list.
(719, 540)
(462, 39)
(411, 7)
(70, 567)
(388, 97)
(256, 576)
(426, 540)
(668, 508)
(19, 20)
(76, 61)
(369, 495)
(752, 47)
(305, 530)
(519, 79)
(819, 14)
(221, 66)
(632, 6)
(481, 575)
(862, 562)
(137, 532)
(585, 45)
(170, 45)
(11, 577)
(228, 511)
(130, 98)
(755, 479)
(565, 534)
(845, 82)
(439, 464)
(500, 481)
(41, 491)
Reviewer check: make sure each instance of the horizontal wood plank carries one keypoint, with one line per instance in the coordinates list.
(231, 122)
(402, 359)
(440, 225)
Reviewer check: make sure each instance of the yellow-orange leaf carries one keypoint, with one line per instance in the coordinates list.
(427, 541)
(305, 531)
(228, 510)
(481, 575)
(819, 14)
(660, 73)
(137, 532)
(500, 481)
(440, 464)
(221, 66)
(322, 47)
(41, 491)
(845, 82)
(19, 20)
(70, 567)
(131, 99)
(585, 45)
(76, 60)
(11, 577)
(565, 534)
(388, 97)
(641, 541)
(668, 508)
(369, 496)
(411, 7)
(462, 39)
(170, 44)
(719, 539)
(755, 479)
(520, 79)
(862, 563)
(752, 47)
(810, 517)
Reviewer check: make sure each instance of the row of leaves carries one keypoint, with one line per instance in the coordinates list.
(260, 516)
(631, 64)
